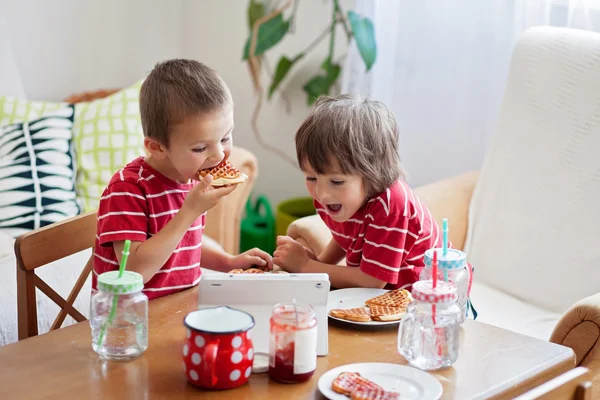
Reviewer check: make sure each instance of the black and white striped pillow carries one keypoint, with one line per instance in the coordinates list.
(37, 172)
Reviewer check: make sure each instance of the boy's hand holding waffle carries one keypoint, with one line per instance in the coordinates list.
(223, 174)
(390, 306)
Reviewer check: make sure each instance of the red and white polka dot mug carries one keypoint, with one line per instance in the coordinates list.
(218, 351)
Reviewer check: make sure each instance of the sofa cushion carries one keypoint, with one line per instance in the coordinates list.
(502, 310)
(534, 219)
(37, 174)
(107, 134)
(13, 109)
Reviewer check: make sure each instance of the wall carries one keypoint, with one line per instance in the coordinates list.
(214, 32)
(66, 46)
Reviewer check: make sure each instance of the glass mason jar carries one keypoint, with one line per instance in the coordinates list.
(452, 268)
(429, 332)
(119, 316)
(293, 343)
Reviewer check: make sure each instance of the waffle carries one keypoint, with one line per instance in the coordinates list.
(394, 298)
(248, 271)
(223, 174)
(346, 382)
(351, 314)
(369, 393)
(385, 313)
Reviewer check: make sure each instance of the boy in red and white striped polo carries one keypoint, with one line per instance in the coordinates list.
(157, 201)
(348, 150)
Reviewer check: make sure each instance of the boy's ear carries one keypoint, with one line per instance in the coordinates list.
(154, 148)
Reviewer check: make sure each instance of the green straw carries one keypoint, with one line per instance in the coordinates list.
(445, 233)
(113, 311)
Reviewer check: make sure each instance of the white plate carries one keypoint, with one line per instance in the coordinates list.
(411, 383)
(352, 298)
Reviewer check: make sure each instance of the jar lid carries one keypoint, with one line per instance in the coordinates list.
(129, 282)
(444, 292)
(453, 259)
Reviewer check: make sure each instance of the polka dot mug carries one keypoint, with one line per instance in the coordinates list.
(218, 350)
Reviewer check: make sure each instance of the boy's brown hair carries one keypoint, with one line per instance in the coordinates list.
(176, 89)
(355, 135)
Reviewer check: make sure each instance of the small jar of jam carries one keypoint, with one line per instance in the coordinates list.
(293, 343)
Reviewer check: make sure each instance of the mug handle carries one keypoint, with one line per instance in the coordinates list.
(209, 362)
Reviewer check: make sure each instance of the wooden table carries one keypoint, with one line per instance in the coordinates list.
(493, 363)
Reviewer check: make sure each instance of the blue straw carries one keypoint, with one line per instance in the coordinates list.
(445, 233)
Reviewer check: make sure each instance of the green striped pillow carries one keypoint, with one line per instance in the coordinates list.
(107, 134)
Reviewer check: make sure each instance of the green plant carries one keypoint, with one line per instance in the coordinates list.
(269, 26)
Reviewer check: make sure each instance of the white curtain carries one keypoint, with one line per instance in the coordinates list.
(442, 66)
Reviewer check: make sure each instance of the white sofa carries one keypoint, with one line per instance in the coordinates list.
(530, 219)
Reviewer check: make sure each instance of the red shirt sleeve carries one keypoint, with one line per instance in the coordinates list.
(388, 240)
(122, 214)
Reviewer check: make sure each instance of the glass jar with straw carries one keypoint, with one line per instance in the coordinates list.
(119, 313)
(429, 332)
(453, 268)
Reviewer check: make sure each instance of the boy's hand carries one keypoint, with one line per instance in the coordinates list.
(203, 196)
(252, 258)
(290, 255)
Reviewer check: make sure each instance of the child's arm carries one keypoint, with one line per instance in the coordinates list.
(332, 253)
(292, 257)
(149, 256)
(218, 260)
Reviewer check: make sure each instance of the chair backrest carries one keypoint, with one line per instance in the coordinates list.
(575, 384)
(40, 247)
(534, 220)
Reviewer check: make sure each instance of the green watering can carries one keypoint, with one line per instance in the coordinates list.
(258, 226)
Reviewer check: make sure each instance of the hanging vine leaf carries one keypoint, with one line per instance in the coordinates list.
(364, 36)
(269, 34)
(283, 67)
(321, 84)
(256, 10)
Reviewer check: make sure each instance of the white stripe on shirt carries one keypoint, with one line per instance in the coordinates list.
(405, 200)
(122, 194)
(385, 246)
(180, 268)
(108, 214)
(385, 228)
(118, 232)
(385, 207)
(162, 214)
(160, 289)
(196, 246)
(106, 259)
(152, 196)
(395, 269)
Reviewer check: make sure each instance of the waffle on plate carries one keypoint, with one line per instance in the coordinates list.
(390, 306)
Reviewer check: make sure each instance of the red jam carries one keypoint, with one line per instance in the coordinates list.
(292, 350)
(283, 370)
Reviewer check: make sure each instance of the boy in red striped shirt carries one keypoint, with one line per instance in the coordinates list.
(348, 150)
(156, 201)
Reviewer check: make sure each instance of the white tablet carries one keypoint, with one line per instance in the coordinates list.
(258, 293)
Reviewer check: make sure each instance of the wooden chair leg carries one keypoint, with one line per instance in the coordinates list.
(26, 304)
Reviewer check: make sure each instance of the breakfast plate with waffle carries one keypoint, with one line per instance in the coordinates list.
(366, 306)
(381, 381)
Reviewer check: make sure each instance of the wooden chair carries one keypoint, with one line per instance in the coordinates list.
(40, 247)
(575, 384)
